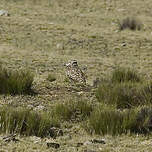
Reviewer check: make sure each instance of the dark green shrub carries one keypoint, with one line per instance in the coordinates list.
(26, 122)
(110, 121)
(130, 23)
(120, 95)
(143, 122)
(15, 82)
(124, 95)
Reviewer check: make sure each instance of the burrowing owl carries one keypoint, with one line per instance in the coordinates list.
(74, 73)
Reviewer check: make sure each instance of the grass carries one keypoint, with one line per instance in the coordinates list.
(111, 121)
(121, 74)
(124, 89)
(42, 37)
(51, 77)
(73, 110)
(15, 82)
(25, 122)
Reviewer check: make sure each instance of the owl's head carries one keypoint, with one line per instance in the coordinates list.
(72, 63)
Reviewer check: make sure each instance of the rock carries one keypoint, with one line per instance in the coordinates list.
(79, 144)
(96, 82)
(87, 150)
(4, 13)
(10, 138)
(53, 145)
(87, 143)
(54, 132)
(98, 141)
(60, 46)
(123, 44)
(80, 93)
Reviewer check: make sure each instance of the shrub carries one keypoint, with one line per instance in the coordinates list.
(124, 95)
(143, 122)
(124, 89)
(125, 75)
(130, 23)
(73, 110)
(121, 95)
(110, 121)
(51, 77)
(15, 82)
(26, 122)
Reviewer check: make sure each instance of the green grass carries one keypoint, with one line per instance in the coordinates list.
(124, 89)
(121, 74)
(25, 122)
(114, 122)
(73, 110)
(15, 82)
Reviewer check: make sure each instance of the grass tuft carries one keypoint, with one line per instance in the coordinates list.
(26, 122)
(114, 122)
(125, 89)
(130, 23)
(125, 75)
(15, 82)
(73, 110)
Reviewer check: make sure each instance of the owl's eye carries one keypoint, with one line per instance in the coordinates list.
(74, 63)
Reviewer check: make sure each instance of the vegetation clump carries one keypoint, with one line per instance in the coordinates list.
(73, 111)
(15, 82)
(130, 23)
(125, 89)
(111, 121)
(125, 75)
(26, 122)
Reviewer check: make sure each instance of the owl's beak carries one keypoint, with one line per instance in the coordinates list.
(66, 64)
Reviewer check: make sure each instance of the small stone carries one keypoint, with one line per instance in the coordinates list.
(98, 141)
(87, 150)
(10, 138)
(60, 46)
(123, 44)
(4, 13)
(53, 145)
(80, 93)
(79, 144)
(87, 143)
(54, 132)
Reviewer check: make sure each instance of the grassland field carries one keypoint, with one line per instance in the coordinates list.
(43, 35)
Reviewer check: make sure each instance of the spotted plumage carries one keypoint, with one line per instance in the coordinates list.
(74, 73)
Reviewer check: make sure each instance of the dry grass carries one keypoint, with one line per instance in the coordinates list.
(43, 35)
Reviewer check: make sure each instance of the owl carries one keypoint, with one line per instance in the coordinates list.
(74, 73)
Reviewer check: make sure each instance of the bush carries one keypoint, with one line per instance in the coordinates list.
(125, 75)
(26, 122)
(15, 82)
(110, 121)
(123, 95)
(73, 110)
(125, 89)
(130, 23)
(143, 122)
(51, 77)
